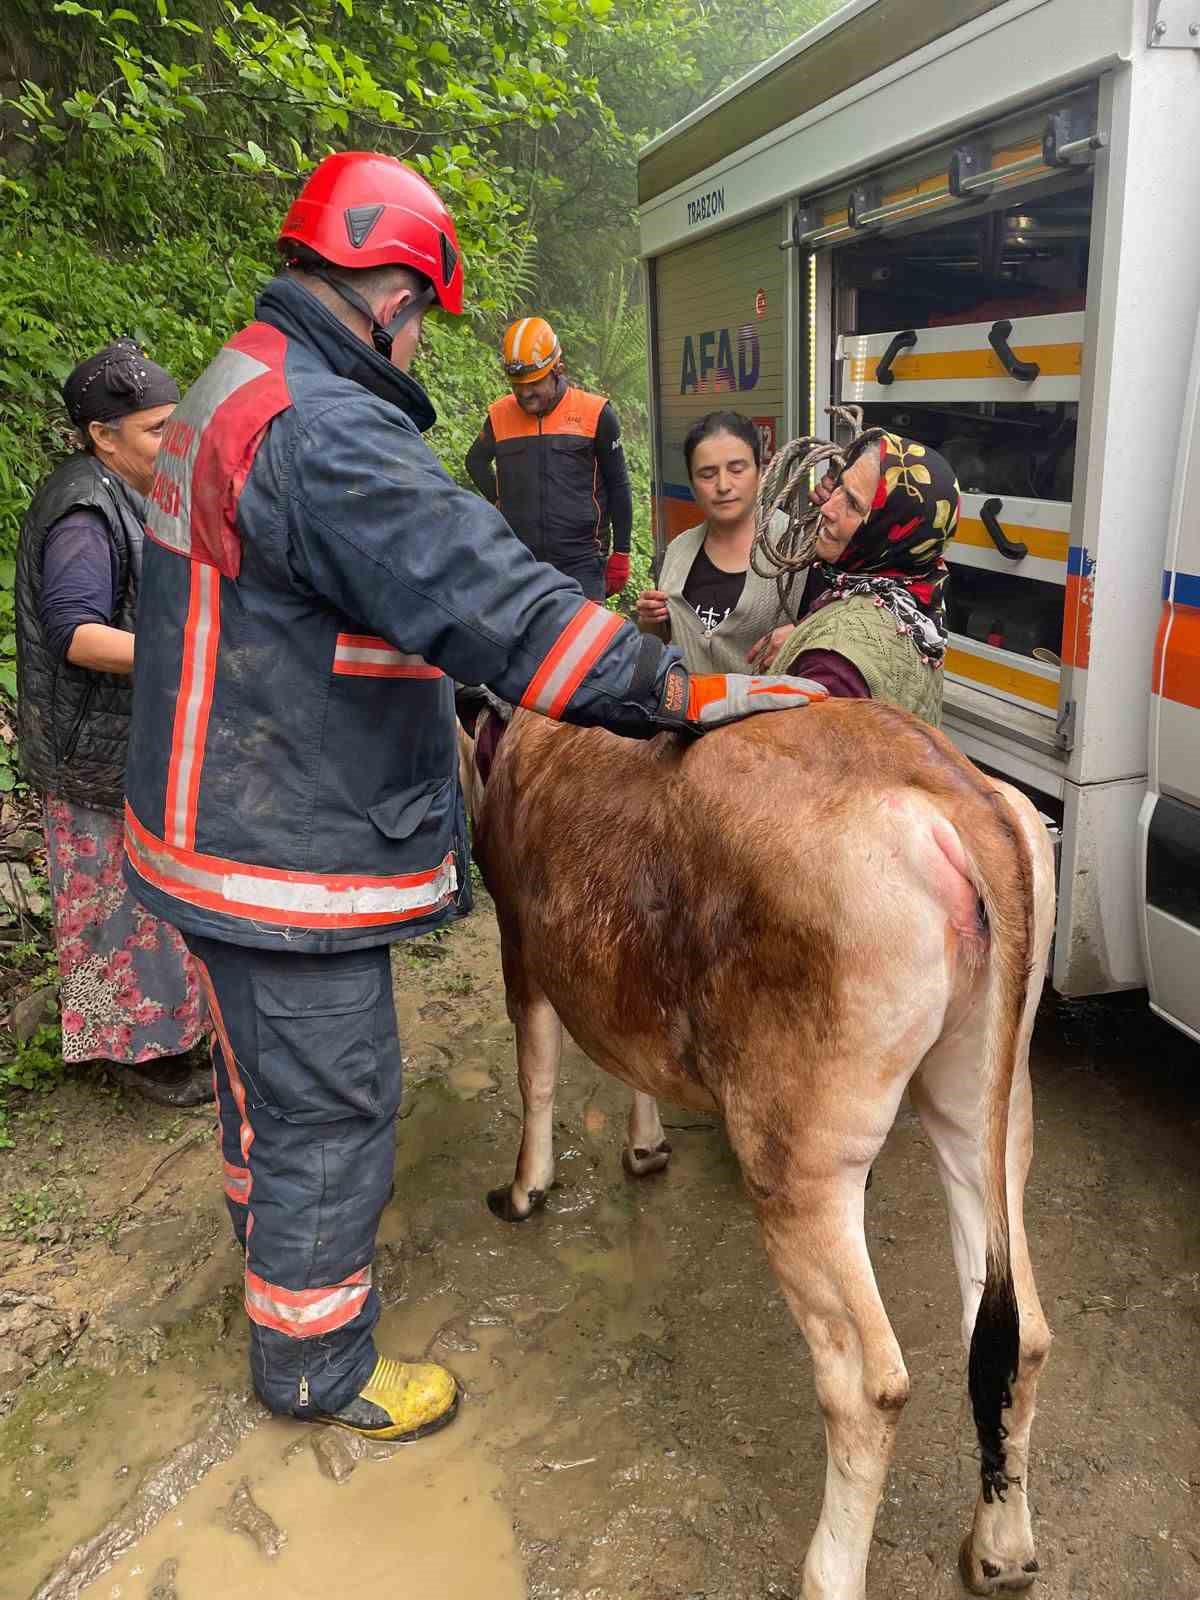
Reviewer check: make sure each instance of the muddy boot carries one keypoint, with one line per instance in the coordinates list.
(176, 1081)
(401, 1400)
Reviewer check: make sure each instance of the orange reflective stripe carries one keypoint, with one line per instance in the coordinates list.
(306, 1313)
(237, 1182)
(361, 655)
(237, 1089)
(571, 657)
(193, 702)
(277, 895)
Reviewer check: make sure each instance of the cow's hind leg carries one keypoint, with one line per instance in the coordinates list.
(646, 1148)
(810, 1203)
(539, 1050)
(998, 1555)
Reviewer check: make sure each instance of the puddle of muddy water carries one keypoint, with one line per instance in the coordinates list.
(425, 1522)
(77, 1446)
(467, 1082)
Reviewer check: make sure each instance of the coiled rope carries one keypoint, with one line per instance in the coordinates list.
(784, 487)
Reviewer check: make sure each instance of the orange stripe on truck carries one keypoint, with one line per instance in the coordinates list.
(1177, 655)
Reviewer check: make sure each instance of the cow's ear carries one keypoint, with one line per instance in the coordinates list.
(469, 700)
(489, 730)
(472, 698)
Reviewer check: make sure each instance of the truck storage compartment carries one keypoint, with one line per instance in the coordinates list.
(965, 331)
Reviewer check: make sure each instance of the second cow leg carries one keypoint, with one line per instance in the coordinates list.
(646, 1148)
(539, 1050)
(815, 1242)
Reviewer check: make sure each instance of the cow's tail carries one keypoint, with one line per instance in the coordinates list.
(1002, 871)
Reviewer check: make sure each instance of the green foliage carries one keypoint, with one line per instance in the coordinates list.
(61, 298)
(36, 1066)
(216, 97)
(31, 1213)
(607, 336)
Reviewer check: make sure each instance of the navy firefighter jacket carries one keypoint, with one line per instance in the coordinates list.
(313, 580)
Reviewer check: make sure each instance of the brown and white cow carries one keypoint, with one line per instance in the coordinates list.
(791, 921)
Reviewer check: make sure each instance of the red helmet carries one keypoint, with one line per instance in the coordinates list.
(361, 209)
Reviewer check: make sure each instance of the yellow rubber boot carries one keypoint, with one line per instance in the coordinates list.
(401, 1400)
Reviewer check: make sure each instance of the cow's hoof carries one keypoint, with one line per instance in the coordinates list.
(500, 1204)
(640, 1163)
(987, 1577)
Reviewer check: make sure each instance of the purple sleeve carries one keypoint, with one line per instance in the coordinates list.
(79, 578)
(833, 672)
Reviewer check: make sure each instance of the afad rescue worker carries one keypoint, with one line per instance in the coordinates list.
(316, 582)
(549, 456)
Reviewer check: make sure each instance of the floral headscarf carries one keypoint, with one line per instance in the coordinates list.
(896, 555)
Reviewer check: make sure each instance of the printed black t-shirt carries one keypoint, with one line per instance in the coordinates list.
(711, 593)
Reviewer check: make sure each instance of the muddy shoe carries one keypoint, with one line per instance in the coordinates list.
(171, 1081)
(401, 1400)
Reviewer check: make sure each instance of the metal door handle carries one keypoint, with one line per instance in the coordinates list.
(902, 341)
(1023, 371)
(989, 514)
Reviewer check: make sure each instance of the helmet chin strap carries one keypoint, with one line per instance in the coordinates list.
(382, 333)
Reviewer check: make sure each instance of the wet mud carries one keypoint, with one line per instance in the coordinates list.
(638, 1419)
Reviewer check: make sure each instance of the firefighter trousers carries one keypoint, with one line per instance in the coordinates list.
(307, 1069)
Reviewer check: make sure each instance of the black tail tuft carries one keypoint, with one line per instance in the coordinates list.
(991, 1372)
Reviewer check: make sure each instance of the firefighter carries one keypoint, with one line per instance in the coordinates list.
(549, 456)
(316, 582)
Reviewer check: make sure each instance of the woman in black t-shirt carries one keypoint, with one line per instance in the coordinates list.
(713, 608)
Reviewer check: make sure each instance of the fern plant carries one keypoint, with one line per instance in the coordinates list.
(605, 345)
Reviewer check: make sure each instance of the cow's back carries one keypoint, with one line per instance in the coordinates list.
(669, 895)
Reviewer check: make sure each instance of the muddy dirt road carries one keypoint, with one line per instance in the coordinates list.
(639, 1421)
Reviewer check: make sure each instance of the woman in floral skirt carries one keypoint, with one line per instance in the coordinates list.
(128, 988)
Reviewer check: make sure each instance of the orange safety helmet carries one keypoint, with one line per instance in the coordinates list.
(362, 209)
(530, 351)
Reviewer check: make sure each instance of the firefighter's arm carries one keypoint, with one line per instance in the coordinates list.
(380, 531)
(481, 462)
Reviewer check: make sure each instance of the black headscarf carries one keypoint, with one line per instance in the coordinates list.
(114, 383)
(895, 558)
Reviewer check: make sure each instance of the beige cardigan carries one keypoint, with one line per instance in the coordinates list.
(757, 612)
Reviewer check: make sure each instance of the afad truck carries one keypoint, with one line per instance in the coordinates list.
(980, 222)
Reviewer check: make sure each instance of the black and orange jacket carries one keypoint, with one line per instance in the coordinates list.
(314, 581)
(560, 480)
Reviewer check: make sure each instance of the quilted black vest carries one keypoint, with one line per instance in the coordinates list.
(72, 723)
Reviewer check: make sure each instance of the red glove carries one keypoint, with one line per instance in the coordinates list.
(616, 572)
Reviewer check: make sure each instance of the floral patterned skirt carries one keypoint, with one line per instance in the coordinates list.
(128, 986)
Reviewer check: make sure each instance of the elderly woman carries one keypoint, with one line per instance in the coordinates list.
(128, 988)
(872, 617)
